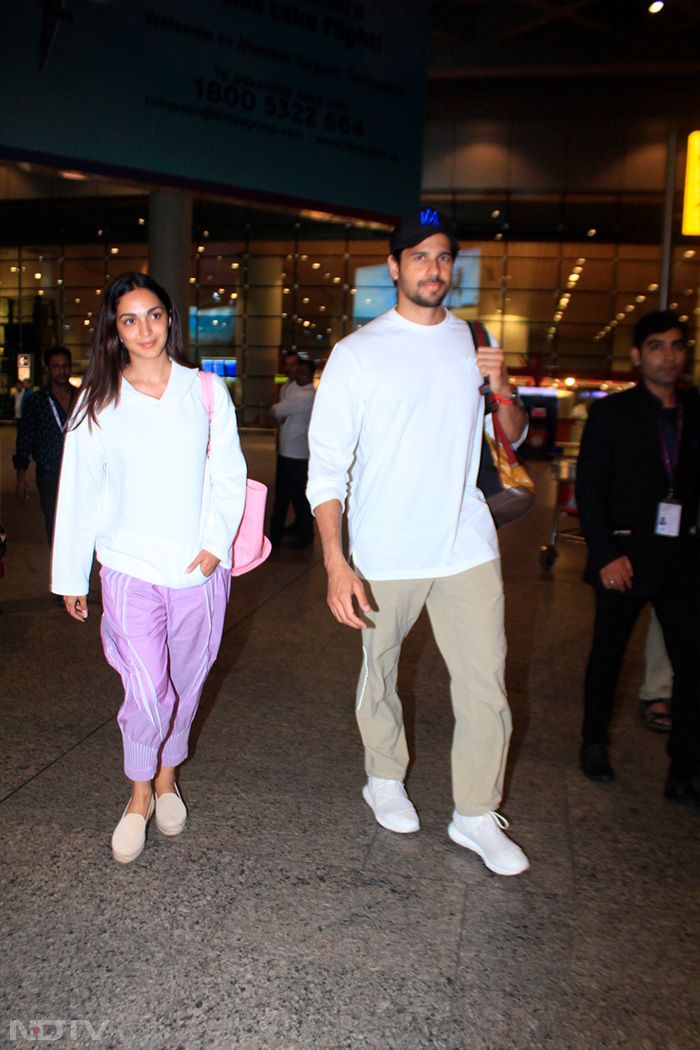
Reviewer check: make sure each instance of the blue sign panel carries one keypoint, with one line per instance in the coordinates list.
(313, 101)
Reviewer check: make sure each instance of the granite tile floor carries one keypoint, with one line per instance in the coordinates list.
(284, 917)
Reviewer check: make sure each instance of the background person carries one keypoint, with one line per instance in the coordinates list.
(637, 491)
(133, 490)
(22, 390)
(294, 414)
(41, 432)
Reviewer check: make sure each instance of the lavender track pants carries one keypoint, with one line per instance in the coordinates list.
(163, 642)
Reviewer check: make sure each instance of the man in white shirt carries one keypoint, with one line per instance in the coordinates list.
(396, 432)
(293, 412)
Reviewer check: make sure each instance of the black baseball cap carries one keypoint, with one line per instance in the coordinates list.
(419, 224)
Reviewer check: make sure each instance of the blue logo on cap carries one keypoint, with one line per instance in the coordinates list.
(429, 217)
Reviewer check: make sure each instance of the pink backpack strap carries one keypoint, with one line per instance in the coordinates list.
(207, 381)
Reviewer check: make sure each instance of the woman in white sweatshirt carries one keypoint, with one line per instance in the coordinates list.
(138, 489)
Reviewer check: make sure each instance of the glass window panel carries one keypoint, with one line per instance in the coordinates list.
(588, 307)
(635, 275)
(639, 251)
(533, 249)
(83, 251)
(596, 274)
(532, 273)
(533, 305)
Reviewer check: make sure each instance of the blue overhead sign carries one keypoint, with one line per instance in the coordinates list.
(314, 101)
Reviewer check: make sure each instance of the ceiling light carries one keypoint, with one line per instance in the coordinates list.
(575, 276)
(689, 254)
(591, 232)
(640, 298)
(656, 6)
(653, 288)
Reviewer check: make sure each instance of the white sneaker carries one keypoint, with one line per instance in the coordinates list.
(391, 805)
(484, 835)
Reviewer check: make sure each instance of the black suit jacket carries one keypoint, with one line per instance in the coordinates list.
(621, 479)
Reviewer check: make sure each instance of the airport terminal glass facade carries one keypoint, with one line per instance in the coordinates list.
(264, 280)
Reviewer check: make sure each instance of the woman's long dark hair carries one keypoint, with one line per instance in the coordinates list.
(109, 357)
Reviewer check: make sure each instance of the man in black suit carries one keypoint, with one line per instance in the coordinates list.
(638, 490)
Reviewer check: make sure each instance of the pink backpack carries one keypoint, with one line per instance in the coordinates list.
(250, 547)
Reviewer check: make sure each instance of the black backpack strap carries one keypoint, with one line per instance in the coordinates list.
(481, 337)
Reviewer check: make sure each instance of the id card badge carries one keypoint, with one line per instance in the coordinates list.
(668, 518)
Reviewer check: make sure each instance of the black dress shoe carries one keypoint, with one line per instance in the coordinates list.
(686, 792)
(595, 764)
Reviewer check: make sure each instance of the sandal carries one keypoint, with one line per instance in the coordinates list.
(657, 721)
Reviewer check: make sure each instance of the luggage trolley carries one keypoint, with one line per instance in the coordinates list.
(564, 470)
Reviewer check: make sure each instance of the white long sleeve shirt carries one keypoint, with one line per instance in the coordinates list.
(294, 413)
(397, 430)
(138, 489)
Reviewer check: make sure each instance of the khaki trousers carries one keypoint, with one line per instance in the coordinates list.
(658, 673)
(466, 614)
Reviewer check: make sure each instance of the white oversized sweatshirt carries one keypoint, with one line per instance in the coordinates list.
(397, 429)
(138, 490)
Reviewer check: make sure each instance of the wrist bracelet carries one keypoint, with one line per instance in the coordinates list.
(512, 400)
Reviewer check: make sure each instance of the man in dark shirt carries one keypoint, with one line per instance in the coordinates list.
(41, 431)
(637, 490)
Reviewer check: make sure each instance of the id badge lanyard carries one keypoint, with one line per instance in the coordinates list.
(61, 426)
(668, 515)
(669, 466)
